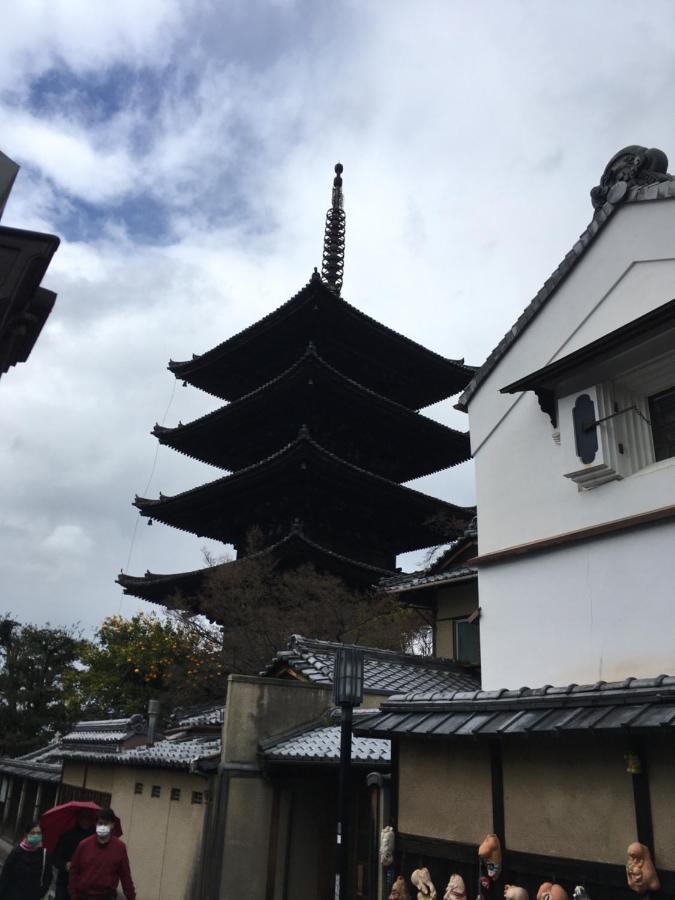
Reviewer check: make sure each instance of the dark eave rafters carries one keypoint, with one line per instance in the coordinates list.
(217, 438)
(157, 588)
(435, 377)
(413, 509)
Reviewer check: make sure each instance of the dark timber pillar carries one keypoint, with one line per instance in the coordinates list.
(637, 768)
(498, 825)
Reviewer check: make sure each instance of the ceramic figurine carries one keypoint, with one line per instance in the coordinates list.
(421, 878)
(513, 892)
(399, 890)
(456, 889)
(387, 846)
(490, 851)
(548, 891)
(580, 893)
(640, 870)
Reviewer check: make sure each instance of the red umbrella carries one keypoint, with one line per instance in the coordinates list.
(58, 819)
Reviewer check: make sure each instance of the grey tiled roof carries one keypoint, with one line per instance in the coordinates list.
(632, 705)
(193, 718)
(384, 671)
(409, 581)
(105, 731)
(322, 744)
(664, 190)
(31, 769)
(105, 737)
(169, 754)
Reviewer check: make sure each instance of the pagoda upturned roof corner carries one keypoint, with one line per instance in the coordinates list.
(354, 343)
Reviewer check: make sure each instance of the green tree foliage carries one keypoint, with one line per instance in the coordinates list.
(35, 665)
(259, 605)
(134, 660)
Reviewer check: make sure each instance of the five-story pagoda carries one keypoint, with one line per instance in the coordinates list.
(320, 428)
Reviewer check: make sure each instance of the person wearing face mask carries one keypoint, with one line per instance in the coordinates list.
(66, 846)
(100, 863)
(27, 872)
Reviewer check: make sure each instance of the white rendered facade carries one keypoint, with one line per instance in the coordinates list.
(600, 606)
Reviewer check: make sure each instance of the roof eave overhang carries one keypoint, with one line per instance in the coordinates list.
(655, 327)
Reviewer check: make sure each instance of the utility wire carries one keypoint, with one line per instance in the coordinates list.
(147, 486)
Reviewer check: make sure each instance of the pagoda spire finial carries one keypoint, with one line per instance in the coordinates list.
(332, 267)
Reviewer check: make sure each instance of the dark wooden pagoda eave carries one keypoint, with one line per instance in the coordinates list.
(183, 589)
(409, 518)
(252, 427)
(415, 376)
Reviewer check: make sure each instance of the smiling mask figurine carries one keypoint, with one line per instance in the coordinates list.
(456, 889)
(399, 890)
(640, 870)
(421, 878)
(490, 851)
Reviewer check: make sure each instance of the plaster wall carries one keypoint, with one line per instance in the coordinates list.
(247, 833)
(162, 835)
(660, 757)
(445, 790)
(570, 800)
(74, 773)
(522, 494)
(103, 778)
(258, 708)
(597, 610)
(452, 603)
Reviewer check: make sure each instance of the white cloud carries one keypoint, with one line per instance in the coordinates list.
(471, 135)
(67, 540)
(85, 36)
(64, 153)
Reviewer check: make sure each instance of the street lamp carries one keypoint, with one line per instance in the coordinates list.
(347, 693)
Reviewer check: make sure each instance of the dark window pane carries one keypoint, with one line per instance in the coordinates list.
(467, 642)
(662, 416)
(156, 791)
(138, 788)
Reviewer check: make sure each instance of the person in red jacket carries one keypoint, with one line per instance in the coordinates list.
(100, 863)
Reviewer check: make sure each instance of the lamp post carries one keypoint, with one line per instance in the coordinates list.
(347, 693)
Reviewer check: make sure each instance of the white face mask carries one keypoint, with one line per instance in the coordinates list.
(103, 830)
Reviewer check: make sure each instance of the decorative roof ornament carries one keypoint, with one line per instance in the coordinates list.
(332, 267)
(634, 165)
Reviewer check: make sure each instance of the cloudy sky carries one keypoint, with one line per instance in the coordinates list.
(183, 150)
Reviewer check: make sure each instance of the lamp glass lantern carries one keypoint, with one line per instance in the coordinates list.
(348, 677)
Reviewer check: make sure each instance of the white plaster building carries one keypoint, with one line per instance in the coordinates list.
(577, 522)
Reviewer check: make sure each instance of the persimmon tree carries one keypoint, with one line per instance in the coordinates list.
(131, 661)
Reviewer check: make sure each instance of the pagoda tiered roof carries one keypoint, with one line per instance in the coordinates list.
(340, 504)
(348, 419)
(372, 354)
(320, 429)
(184, 589)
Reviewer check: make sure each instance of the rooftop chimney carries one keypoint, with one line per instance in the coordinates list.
(153, 716)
